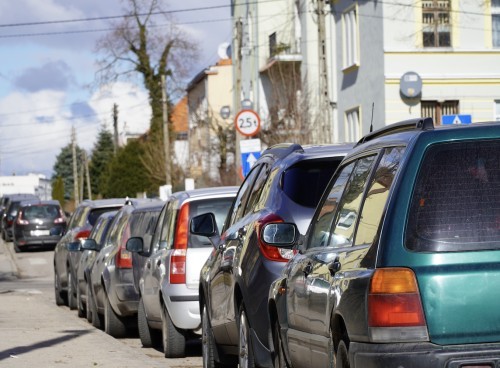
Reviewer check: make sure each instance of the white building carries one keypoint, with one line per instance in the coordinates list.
(33, 184)
(366, 64)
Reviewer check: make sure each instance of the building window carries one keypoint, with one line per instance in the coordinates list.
(497, 110)
(436, 109)
(272, 44)
(436, 23)
(182, 136)
(350, 38)
(352, 126)
(495, 22)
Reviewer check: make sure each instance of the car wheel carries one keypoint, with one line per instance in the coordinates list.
(88, 306)
(174, 341)
(71, 291)
(245, 353)
(113, 324)
(59, 298)
(342, 356)
(279, 356)
(79, 305)
(149, 336)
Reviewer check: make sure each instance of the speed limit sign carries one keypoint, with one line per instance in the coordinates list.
(247, 122)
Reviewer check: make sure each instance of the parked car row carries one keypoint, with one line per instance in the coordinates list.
(383, 253)
(399, 266)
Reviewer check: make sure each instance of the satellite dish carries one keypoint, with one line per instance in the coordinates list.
(224, 50)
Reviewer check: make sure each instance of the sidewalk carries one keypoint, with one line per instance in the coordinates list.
(8, 269)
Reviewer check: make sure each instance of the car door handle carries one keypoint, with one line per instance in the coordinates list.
(158, 263)
(334, 266)
(148, 264)
(308, 268)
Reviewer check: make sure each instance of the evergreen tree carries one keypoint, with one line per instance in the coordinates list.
(58, 190)
(126, 173)
(63, 168)
(102, 153)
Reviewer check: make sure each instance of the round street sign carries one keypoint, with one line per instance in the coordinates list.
(247, 122)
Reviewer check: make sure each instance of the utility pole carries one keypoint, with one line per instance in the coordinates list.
(82, 175)
(87, 175)
(325, 130)
(166, 138)
(115, 126)
(75, 168)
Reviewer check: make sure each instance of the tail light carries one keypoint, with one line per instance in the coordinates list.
(60, 219)
(82, 235)
(395, 312)
(20, 220)
(270, 252)
(123, 256)
(178, 255)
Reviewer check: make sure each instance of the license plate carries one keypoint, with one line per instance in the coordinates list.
(40, 232)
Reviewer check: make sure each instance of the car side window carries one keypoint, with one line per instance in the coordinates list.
(377, 195)
(257, 188)
(346, 217)
(322, 222)
(243, 193)
(154, 245)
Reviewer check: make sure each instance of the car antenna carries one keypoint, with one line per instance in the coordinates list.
(371, 122)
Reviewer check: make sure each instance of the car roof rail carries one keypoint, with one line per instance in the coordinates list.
(402, 126)
(281, 150)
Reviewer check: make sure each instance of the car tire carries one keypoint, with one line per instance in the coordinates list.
(174, 341)
(79, 305)
(342, 356)
(88, 306)
(113, 324)
(57, 291)
(245, 353)
(279, 355)
(149, 336)
(71, 292)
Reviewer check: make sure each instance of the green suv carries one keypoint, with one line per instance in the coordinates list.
(400, 266)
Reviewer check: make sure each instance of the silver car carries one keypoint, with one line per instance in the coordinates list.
(168, 287)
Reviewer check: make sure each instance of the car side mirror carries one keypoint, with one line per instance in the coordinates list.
(205, 225)
(89, 244)
(281, 235)
(135, 245)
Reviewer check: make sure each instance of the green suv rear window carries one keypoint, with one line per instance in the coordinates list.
(456, 201)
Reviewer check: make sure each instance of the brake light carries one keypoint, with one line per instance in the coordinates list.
(123, 258)
(270, 252)
(178, 255)
(82, 235)
(395, 311)
(21, 221)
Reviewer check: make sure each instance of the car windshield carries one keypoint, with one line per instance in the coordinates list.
(456, 201)
(41, 212)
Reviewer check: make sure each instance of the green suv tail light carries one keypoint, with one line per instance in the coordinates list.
(395, 312)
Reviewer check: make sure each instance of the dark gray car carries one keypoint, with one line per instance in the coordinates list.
(285, 184)
(9, 216)
(112, 286)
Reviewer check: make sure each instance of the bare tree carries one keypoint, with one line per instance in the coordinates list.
(212, 148)
(147, 44)
(290, 118)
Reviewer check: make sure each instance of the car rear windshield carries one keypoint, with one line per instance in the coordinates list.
(456, 201)
(218, 206)
(305, 182)
(48, 211)
(96, 212)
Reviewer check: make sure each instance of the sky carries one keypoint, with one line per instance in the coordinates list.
(46, 70)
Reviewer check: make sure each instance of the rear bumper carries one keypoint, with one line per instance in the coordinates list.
(37, 240)
(363, 355)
